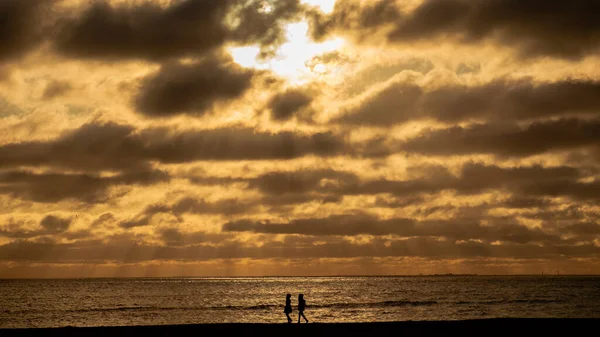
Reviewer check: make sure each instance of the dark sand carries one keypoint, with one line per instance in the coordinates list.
(483, 327)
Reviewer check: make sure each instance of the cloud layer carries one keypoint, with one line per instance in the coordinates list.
(555, 28)
(461, 135)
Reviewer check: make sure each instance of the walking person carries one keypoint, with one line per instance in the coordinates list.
(288, 307)
(301, 306)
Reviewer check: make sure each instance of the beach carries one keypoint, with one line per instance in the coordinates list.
(482, 327)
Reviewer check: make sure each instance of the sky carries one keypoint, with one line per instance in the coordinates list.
(296, 137)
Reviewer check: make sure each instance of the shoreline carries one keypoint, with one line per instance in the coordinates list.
(477, 327)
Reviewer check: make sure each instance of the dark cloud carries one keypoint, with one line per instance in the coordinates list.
(293, 187)
(473, 178)
(192, 206)
(286, 203)
(77, 235)
(92, 146)
(54, 187)
(130, 251)
(360, 18)
(278, 202)
(193, 88)
(53, 224)
(351, 224)
(105, 218)
(147, 30)
(398, 202)
(18, 34)
(501, 100)
(556, 27)
(95, 146)
(55, 89)
(207, 180)
(49, 225)
(507, 140)
(176, 238)
(562, 213)
(520, 202)
(356, 224)
(585, 228)
(332, 199)
(224, 206)
(564, 187)
(566, 29)
(144, 30)
(280, 182)
(284, 105)
(394, 104)
(236, 144)
(138, 221)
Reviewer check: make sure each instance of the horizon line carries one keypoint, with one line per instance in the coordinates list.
(286, 276)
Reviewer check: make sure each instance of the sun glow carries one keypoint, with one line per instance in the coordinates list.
(292, 57)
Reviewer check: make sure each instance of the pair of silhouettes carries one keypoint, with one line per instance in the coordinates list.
(301, 306)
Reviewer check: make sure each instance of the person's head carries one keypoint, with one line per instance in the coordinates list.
(300, 296)
(288, 295)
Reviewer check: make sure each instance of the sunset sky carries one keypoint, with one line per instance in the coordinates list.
(296, 137)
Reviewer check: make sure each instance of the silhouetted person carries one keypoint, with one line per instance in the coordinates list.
(301, 306)
(288, 307)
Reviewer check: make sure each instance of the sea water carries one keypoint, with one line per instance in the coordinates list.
(152, 301)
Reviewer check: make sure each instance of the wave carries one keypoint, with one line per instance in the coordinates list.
(373, 304)
(536, 301)
(519, 301)
(239, 307)
(330, 305)
(340, 305)
(232, 307)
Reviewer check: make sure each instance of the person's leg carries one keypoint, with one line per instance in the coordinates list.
(305, 318)
(299, 315)
(288, 317)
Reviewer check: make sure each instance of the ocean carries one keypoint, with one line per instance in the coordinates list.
(154, 301)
